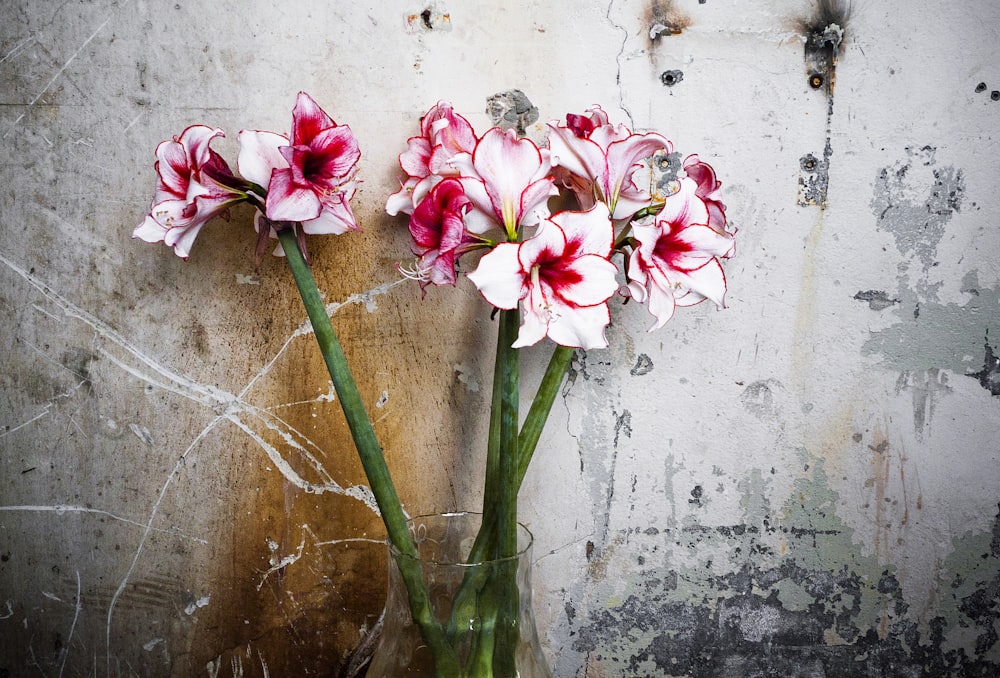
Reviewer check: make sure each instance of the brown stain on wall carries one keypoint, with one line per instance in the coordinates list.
(661, 19)
(309, 615)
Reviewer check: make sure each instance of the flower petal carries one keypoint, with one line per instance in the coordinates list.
(579, 327)
(334, 154)
(332, 220)
(707, 282)
(588, 232)
(507, 165)
(150, 230)
(414, 159)
(579, 156)
(499, 276)
(288, 201)
(259, 155)
(308, 120)
(623, 158)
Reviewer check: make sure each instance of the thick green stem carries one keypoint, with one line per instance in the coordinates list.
(509, 397)
(478, 596)
(507, 631)
(485, 544)
(370, 453)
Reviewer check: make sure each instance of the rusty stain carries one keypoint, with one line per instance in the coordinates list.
(823, 31)
(429, 19)
(663, 19)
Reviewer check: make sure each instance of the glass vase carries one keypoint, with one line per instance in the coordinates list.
(465, 598)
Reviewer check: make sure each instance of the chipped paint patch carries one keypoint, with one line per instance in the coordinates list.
(946, 336)
(431, 18)
(877, 300)
(815, 606)
(512, 109)
(914, 200)
(814, 177)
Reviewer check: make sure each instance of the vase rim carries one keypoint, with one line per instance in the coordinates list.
(521, 552)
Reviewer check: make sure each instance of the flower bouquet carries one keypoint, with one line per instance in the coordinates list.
(559, 230)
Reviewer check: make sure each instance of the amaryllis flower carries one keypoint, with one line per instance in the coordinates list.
(438, 231)
(309, 179)
(676, 261)
(562, 273)
(709, 190)
(507, 179)
(194, 184)
(443, 134)
(597, 160)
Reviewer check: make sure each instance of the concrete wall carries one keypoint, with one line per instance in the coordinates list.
(806, 483)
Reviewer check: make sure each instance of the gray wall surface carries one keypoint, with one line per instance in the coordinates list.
(805, 483)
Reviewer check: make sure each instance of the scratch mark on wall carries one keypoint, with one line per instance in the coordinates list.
(17, 48)
(368, 298)
(282, 563)
(148, 529)
(224, 405)
(60, 509)
(120, 352)
(78, 606)
(11, 429)
(59, 72)
(132, 123)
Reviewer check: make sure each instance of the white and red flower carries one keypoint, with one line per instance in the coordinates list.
(194, 184)
(438, 232)
(709, 189)
(507, 180)
(426, 160)
(562, 274)
(310, 178)
(597, 160)
(676, 262)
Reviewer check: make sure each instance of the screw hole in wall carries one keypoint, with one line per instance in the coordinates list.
(671, 78)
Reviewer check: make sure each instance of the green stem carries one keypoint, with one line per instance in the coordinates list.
(507, 631)
(509, 481)
(472, 601)
(370, 453)
(485, 544)
(484, 547)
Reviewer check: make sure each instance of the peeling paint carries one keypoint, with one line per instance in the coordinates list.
(877, 299)
(989, 376)
(512, 109)
(814, 177)
(914, 201)
(942, 335)
(817, 607)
